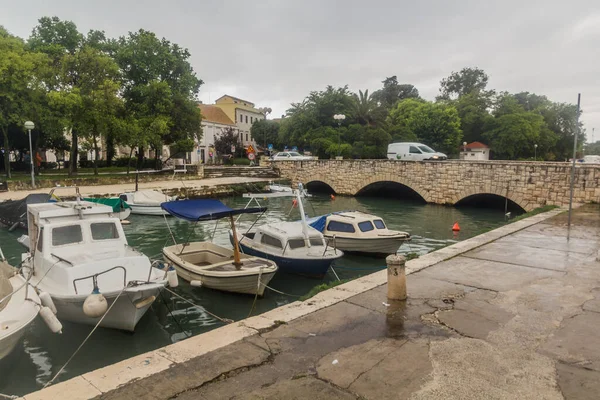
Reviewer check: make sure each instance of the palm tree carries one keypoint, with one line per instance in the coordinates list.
(365, 109)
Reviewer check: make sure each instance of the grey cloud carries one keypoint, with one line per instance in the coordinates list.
(275, 52)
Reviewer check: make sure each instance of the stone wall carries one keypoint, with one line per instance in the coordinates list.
(528, 184)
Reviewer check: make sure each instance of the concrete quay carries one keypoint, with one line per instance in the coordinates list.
(510, 314)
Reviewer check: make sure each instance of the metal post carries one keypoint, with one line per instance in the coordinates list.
(31, 160)
(573, 165)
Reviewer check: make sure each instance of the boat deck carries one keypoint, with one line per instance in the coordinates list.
(245, 265)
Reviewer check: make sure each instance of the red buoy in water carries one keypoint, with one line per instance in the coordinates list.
(455, 227)
(332, 197)
(294, 203)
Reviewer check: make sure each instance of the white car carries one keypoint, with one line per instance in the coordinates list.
(413, 152)
(290, 156)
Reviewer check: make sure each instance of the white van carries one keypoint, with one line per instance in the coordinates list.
(592, 159)
(413, 152)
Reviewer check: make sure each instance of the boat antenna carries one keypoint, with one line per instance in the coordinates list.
(2, 258)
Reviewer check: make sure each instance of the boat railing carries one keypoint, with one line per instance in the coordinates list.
(327, 245)
(62, 259)
(94, 277)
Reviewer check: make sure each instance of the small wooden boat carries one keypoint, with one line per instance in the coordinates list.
(359, 232)
(213, 266)
(146, 202)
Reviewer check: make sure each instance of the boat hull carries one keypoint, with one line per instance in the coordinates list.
(370, 246)
(316, 268)
(17, 315)
(142, 209)
(245, 283)
(124, 315)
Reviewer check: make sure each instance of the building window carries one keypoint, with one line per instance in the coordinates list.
(241, 118)
(246, 137)
(251, 120)
(246, 119)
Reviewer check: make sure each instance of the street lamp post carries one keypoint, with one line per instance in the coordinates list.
(535, 152)
(29, 126)
(339, 118)
(464, 150)
(265, 111)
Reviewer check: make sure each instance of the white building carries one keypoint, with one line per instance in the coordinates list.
(214, 121)
(475, 151)
(243, 113)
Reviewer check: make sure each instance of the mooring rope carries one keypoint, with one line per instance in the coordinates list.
(86, 339)
(225, 320)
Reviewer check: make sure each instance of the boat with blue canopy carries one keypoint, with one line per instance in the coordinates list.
(210, 265)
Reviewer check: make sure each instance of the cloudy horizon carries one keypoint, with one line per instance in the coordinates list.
(275, 52)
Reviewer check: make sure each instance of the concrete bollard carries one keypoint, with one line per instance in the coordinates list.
(396, 269)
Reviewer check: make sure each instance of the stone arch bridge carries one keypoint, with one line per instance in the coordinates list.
(527, 184)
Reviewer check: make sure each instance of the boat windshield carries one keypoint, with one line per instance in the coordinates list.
(379, 224)
(64, 235)
(104, 231)
(316, 241)
(426, 149)
(296, 243)
(366, 226)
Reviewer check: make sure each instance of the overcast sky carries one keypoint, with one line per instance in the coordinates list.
(273, 52)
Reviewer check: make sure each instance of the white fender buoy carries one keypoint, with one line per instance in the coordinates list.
(172, 278)
(196, 283)
(47, 301)
(95, 305)
(51, 320)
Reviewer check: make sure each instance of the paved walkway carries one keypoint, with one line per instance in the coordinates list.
(517, 318)
(112, 190)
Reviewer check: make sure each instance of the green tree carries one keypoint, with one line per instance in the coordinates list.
(467, 80)
(18, 87)
(266, 131)
(227, 138)
(393, 92)
(514, 135)
(60, 41)
(473, 112)
(365, 109)
(435, 124)
(159, 90)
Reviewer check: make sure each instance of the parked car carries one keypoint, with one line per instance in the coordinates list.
(591, 159)
(413, 152)
(290, 156)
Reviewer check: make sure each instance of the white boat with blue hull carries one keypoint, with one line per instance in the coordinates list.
(80, 256)
(296, 247)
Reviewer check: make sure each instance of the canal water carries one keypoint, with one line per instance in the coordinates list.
(169, 320)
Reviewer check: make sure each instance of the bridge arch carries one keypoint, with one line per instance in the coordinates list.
(380, 180)
(320, 184)
(499, 195)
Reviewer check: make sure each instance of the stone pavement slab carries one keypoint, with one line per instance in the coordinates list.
(485, 274)
(578, 383)
(551, 242)
(297, 389)
(523, 254)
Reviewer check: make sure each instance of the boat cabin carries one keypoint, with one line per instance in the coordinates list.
(71, 239)
(286, 236)
(353, 223)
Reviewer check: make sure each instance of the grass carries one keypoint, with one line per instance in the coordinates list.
(531, 213)
(321, 288)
